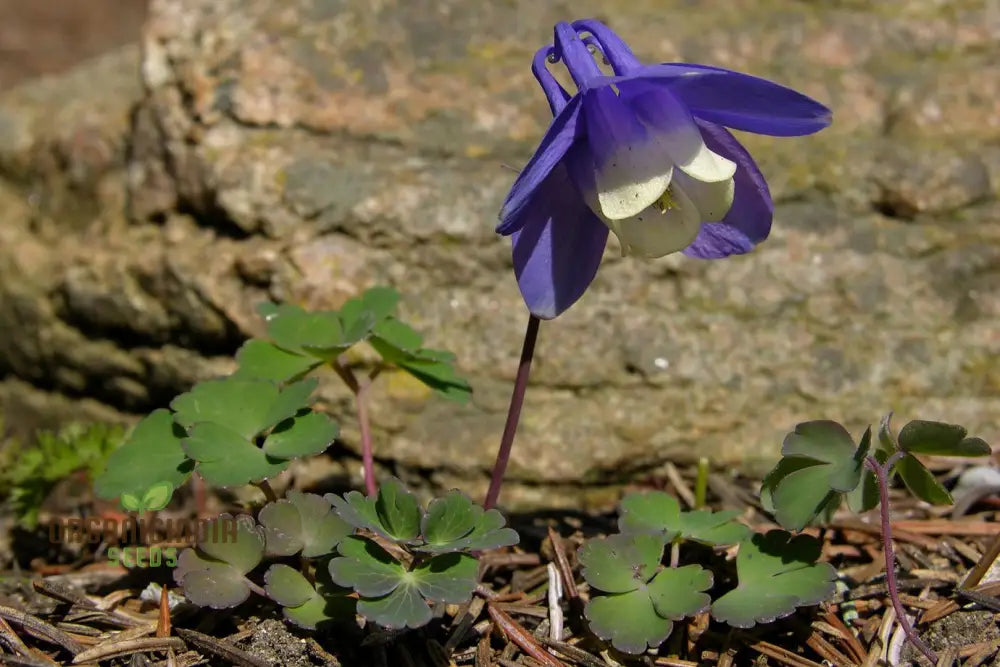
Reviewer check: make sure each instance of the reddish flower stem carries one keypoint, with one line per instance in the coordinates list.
(360, 392)
(882, 473)
(513, 412)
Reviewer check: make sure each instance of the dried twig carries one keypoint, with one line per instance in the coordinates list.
(524, 639)
(40, 628)
(220, 649)
(117, 649)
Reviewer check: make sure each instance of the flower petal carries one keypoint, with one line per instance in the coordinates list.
(752, 208)
(654, 234)
(558, 138)
(632, 169)
(739, 101)
(717, 240)
(713, 200)
(558, 250)
(614, 47)
(675, 130)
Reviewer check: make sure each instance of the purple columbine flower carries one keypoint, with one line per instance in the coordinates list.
(643, 153)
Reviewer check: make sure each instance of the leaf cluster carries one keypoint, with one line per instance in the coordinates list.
(232, 431)
(407, 558)
(299, 341)
(249, 426)
(396, 558)
(821, 466)
(641, 597)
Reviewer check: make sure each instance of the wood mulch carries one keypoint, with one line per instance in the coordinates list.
(528, 611)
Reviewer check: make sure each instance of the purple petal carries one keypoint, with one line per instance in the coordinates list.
(748, 221)
(739, 101)
(558, 138)
(573, 51)
(554, 92)
(716, 240)
(614, 47)
(558, 250)
(611, 124)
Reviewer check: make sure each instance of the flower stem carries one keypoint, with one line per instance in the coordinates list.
(269, 493)
(513, 412)
(882, 473)
(360, 391)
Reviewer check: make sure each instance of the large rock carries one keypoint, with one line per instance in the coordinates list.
(307, 150)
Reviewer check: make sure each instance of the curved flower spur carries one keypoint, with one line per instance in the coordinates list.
(643, 153)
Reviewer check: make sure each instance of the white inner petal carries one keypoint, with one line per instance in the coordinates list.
(671, 224)
(687, 150)
(632, 179)
(713, 200)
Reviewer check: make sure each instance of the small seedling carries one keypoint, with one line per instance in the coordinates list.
(821, 465)
(248, 427)
(642, 599)
(434, 563)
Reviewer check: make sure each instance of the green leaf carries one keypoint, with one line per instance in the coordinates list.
(393, 513)
(287, 586)
(659, 512)
(940, 439)
(304, 435)
(643, 603)
(234, 540)
(447, 577)
(439, 376)
(242, 406)
(303, 522)
(288, 403)
(395, 340)
(454, 523)
(380, 302)
(227, 459)
(366, 567)
(398, 511)
(449, 518)
(214, 574)
(921, 483)
(151, 455)
(621, 563)
(829, 443)
(261, 360)
(820, 463)
(404, 607)
(297, 330)
(678, 592)
(357, 510)
(628, 620)
(209, 583)
(777, 573)
(305, 605)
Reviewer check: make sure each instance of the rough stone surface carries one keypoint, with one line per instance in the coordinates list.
(307, 150)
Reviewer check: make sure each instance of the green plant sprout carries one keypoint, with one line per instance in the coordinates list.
(33, 470)
(248, 427)
(821, 466)
(642, 596)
